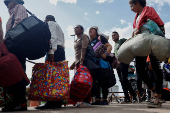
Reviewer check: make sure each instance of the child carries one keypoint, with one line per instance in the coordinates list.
(132, 80)
(143, 13)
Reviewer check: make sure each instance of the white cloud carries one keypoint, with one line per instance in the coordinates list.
(70, 30)
(159, 3)
(97, 12)
(122, 21)
(102, 1)
(86, 13)
(54, 2)
(167, 30)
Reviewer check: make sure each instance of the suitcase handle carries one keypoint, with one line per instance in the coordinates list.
(3, 49)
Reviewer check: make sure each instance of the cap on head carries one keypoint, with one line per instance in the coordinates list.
(18, 1)
(50, 18)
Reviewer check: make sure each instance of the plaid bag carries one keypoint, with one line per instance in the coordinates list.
(4, 97)
(99, 49)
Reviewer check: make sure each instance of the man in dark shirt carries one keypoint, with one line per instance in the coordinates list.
(122, 71)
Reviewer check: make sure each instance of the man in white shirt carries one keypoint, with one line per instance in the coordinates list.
(55, 54)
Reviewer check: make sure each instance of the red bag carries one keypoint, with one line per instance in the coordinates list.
(11, 70)
(81, 84)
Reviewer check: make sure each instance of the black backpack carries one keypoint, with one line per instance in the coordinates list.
(30, 38)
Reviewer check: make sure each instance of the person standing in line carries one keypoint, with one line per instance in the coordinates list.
(122, 71)
(17, 12)
(95, 37)
(56, 54)
(80, 47)
(143, 13)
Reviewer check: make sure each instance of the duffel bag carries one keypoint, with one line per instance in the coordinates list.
(31, 38)
(81, 84)
(143, 45)
(11, 71)
(50, 82)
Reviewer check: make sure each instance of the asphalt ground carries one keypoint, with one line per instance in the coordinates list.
(112, 108)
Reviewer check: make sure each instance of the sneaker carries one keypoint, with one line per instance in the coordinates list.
(97, 102)
(140, 100)
(19, 107)
(155, 103)
(104, 102)
(134, 101)
(83, 104)
(148, 100)
(126, 101)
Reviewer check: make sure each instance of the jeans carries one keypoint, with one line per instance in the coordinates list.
(140, 68)
(124, 75)
(123, 85)
(59, 54)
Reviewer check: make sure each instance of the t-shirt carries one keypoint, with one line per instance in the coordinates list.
(137, 20)
(131, 74)
(118, 44)
(96, 40)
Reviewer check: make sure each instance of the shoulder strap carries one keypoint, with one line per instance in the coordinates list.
(13, 20)
(87, 37)
(30, 13)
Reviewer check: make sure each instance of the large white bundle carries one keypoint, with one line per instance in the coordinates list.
(142, 45)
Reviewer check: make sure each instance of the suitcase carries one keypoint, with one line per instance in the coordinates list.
(11, 71)
(81, 84)
(50, 82)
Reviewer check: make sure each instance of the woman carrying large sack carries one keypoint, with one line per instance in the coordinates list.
(140, 50)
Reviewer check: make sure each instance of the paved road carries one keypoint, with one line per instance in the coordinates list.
(112, 108)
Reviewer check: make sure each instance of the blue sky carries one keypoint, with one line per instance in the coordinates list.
(108, 15)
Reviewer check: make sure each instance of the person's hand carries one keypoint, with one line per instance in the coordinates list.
(71, 67)
(50, 57)
(104, 56)
(136, 32)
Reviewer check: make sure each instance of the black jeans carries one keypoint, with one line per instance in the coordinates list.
(59, 54)
(140, 68)
(124, 75)
(104, 92)
(123, 85)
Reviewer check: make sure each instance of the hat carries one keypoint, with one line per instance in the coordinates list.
(100, 33)
(18, 1)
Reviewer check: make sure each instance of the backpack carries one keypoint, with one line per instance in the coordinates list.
(166, 74)
(31, 38)
(11, 71)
